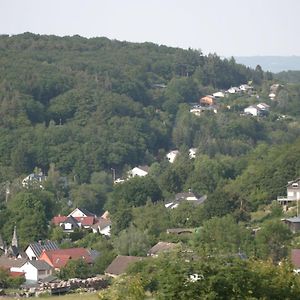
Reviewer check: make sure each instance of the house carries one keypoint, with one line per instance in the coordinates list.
(120, 264)
(219, 95)
(171, 156)
(34, 250)
(103, 226)
(245, 87)
(34, 179)
(207, 100)
(58, 258)
(293, 224)
(192, 152)
(81, 212)
(233, 90)
(295, 259)
(36, 270)
(197, 110)
(260, 109)
(139, 171)
(78, 218)
(186, 196)
(293, 192)
(12, 264)
(161, 247)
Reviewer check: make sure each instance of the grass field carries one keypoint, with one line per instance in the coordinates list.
(84, 296)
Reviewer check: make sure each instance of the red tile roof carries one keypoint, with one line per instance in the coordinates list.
(59, 258)
(58, 219)
(86, 221)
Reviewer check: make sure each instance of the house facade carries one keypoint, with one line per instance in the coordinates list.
(34, 250)
(293, 192)
(36, 270)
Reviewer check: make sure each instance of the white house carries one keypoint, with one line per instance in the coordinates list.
(219, 95)
(34, 179)
(36, 270)
(171, 156)
(192, 152)
(34, 250)
(233, 90)
(252, 110)
(81, 212)
(139, 171)
(103, 226)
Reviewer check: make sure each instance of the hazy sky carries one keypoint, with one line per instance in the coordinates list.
(227, 27)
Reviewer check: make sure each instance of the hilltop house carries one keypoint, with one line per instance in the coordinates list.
(186, 196)
(293, 192)
(207, 100)
(139, 171)
(260, 109)
(34, 179)
(171, 156)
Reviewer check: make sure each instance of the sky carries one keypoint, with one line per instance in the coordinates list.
(226, 27)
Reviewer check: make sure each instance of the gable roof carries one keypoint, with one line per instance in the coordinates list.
(85, 221)
(102, 223)
(83, 210)
(119, 265)
(58, 219)
(71, 220)
(40, 264)
(295, 257)
(38, 247)
(9, 262)
(161, 247)
(60, 257)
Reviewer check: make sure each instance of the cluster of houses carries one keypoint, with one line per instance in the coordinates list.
(82, 218)
(257, 110)
(40, 260)
(210, 102)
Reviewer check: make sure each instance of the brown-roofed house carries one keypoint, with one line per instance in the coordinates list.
(120, 264)
(207, 101)
(161, 247)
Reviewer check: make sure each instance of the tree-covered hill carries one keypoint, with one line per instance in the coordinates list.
(92, 104)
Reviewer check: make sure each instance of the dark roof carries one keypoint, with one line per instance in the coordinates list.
(40, 264)
(120, 264)
(161, 247)
(38, 248)
(86, 212)
(72, 221)
(295, 257)
(293, 220)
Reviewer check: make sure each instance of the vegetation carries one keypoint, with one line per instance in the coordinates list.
(85, 111)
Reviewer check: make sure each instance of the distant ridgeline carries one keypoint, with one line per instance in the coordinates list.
(273, 64)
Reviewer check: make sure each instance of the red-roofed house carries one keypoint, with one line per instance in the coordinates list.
(59, 258)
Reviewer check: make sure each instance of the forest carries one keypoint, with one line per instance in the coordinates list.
(85, 110)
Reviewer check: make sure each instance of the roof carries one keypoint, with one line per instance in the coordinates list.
(102, 223)
(293, 220)
(144, 168)
(119, 265)
(85, 221)
(72, 221)
(84, 211)
(40, 264)
(161, 247)
(10, 262)
(38, 247)
(58, 220)
(295, 257)
(60, 257)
